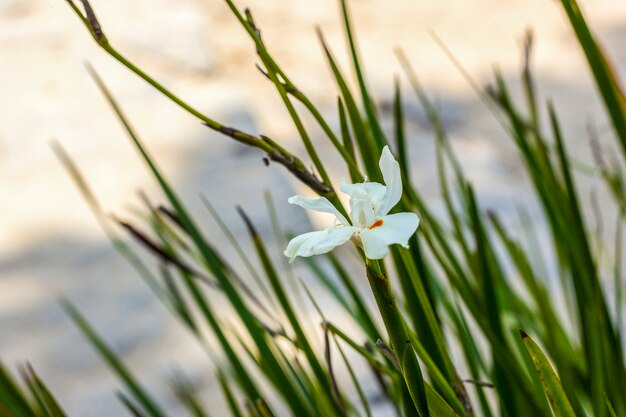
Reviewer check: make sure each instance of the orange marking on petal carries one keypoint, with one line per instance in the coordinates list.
(376, 224)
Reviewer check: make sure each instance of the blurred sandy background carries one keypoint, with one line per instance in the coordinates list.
(50, 244)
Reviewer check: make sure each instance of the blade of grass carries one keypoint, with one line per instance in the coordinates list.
(233, 407)
(287, 306)
(274, 153)
(132, 408)
(185, 393)
(271, 366)
(366, 143)
(355, 381)
(139, 394)
(549, 380)
(13, 401)
(41, 392)
(400, 342)
(368, 104)
(606, 80)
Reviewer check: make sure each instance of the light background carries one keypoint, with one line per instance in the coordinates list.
(50, 244)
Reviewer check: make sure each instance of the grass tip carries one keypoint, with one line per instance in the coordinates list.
(247, 221)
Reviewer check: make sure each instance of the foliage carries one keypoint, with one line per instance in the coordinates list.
(452, 304)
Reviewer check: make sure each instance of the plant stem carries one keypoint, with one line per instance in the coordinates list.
(275, 153)
(398, 336)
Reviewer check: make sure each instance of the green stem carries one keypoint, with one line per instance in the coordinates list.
(273, 72)
(329, 132)
(278, 154)
(240, 136)
(398, 336)
(382, 368)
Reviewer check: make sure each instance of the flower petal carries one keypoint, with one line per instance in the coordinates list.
(395, 228)
(393, 180)
(362, 212)
(375, 191)
(373, 246)
(316, 243)
(318, 204)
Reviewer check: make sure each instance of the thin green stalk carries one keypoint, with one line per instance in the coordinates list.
(368, 104)
(273, 72)
(122, 372)
(360, 306)
(398, 336)
(274, 152)
(230, 397)
(604, 75)
(347, 156)
(285, 303)
(355, 381)
(437, 377)
(366, 143)
(366, 354)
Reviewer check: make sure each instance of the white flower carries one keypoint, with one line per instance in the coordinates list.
(369, 204)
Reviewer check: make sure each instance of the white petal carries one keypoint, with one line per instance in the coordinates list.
(391, 174)
(316, 243)
(373, 246)
(318, 204)
(395, 228)
(361, 212)
(375, 191)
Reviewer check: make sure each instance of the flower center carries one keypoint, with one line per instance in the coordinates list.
(376, 224)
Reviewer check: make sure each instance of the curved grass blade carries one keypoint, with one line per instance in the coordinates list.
(400, 343)
(603, 73)
(132, 408)
(366, 143)
(42, 394)
(119, 245)
(139, 394)
(368, 104)
(550, 382)
(234, 408)
(437, 406)
(274, 152)
(609, 406)
(211, 260)
(13, 401)
(287, 306)
(186, 393)
(355, 381)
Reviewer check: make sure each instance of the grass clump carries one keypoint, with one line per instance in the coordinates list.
(460, 337)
